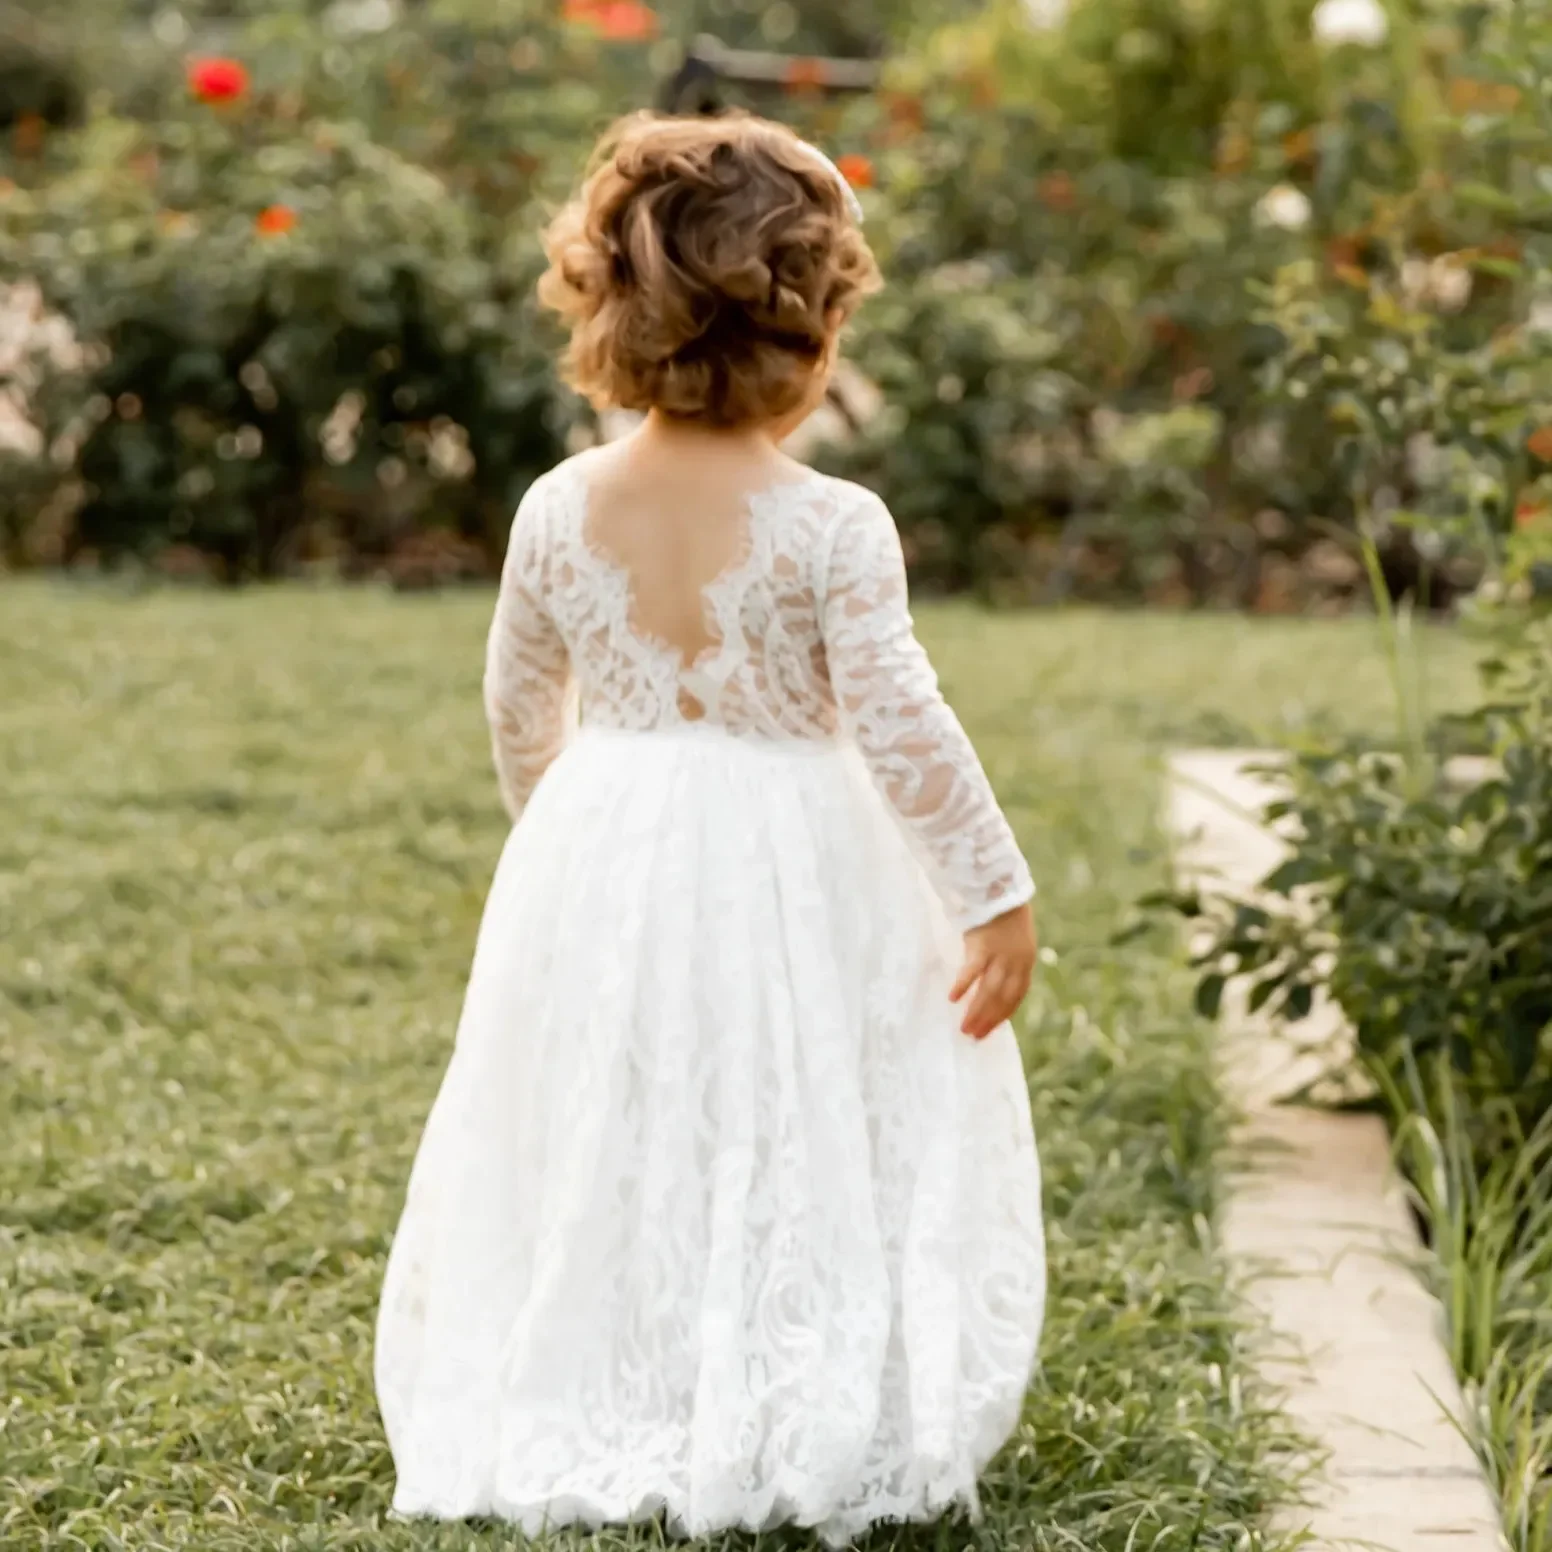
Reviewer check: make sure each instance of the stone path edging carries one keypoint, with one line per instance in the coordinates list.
(1317, 1224)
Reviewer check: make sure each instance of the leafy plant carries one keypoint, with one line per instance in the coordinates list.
(1420, 905)
(303, 277)
(1491, 1268)
(970, 361)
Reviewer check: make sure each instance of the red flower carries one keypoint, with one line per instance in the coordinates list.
(857, 170)
(218, 80)
(627, 21)
(275, 220)
(620, 21)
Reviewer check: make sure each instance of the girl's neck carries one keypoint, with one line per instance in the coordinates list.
(699, 437)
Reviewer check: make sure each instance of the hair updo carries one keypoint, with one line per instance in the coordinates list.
(701, 267)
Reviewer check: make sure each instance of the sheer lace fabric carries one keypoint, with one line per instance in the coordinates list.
(814, 638)
(716, 1214)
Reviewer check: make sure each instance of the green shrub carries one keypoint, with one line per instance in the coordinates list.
(971, 367)
(1422, 905)
(1425, 909)
(1146, 203)
(308, 310)
(1118, 208)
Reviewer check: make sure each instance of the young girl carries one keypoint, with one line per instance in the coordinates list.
(724, 1212)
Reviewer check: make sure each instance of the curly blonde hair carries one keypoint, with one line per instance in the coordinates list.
(703, 268)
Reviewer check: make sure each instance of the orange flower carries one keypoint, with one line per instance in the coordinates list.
(1057, 192)
(1299, 147)
(1193, 384)
(620, 21)
(1540, 443)
(907, 112)
(1234, 152)
(804, 75)
(984, 87)
(275, 221)
(857, 170)
(1470, 95)
(218, 80)
(27, 134)
(627, 21)
(1343, 252)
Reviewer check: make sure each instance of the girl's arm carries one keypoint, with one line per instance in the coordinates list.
(530, 700)
(918, 753)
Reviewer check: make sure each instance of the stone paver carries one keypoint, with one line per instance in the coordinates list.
(1319, 1225)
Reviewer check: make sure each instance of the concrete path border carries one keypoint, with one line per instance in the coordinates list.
(1318, 1226)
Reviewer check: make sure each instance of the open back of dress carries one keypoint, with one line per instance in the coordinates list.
(811, 637)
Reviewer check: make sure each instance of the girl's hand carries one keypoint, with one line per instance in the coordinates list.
(999, 962)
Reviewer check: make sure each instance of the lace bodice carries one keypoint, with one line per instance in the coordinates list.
(812, 639)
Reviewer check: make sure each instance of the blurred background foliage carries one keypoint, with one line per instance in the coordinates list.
(281, 317)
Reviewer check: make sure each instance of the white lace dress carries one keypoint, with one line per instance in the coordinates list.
(717, 1215)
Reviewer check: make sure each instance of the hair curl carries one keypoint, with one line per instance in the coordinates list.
(701, 269)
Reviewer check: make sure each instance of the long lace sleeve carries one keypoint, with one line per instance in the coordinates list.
(530, 700)
(890, 704)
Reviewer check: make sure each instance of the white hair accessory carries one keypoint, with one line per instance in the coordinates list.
(853, 204)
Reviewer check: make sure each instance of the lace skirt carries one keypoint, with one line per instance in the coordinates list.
(717, 1215)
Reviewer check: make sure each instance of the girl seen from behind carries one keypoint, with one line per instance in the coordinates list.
(728, 1208)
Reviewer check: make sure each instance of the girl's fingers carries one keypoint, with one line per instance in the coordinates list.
(968, 976)
(1001, 990)
(990, 996)
(1000, 985)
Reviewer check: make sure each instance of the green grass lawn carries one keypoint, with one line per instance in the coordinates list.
(244, 850)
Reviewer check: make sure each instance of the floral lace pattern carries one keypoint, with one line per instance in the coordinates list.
(813, 638)
(716, 1215)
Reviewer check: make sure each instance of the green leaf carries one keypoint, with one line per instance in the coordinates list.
(1290, 875)
(1486, 197)
(1263, 993)
(1491, 264)
(1209, 995)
